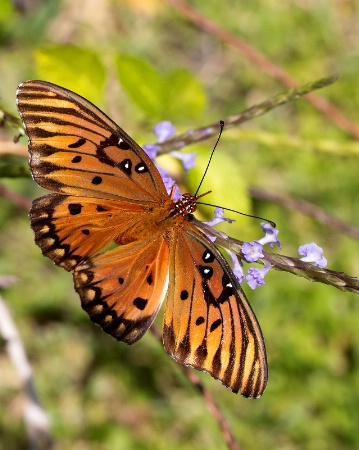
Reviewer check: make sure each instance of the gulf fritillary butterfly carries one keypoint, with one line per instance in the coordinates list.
(107, 190)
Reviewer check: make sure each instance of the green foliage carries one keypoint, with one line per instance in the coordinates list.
(6, 10)
(13, 166)
(64, 65)
(175, 95)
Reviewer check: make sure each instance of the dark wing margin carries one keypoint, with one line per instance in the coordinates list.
(123, 289)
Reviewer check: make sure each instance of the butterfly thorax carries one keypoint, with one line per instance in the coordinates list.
(159, 220)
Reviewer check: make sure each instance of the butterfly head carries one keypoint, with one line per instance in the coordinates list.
(187, 204)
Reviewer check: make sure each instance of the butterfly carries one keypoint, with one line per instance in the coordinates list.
(110, 220)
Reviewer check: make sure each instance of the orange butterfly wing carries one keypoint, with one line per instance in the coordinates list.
(123, 289)
(208, 322)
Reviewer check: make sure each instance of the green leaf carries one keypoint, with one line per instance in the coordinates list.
(185, 95)
(6, 9)
(224, 179)
(160, 97)
(142, 83)
(13, 166)
(78, 69)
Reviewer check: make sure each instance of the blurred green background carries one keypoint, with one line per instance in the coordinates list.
(105, 395)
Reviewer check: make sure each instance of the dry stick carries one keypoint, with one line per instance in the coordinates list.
(36, 419)
(199, 134)
(211, 404)
(308, 209)
(257, 58)
(16, 198)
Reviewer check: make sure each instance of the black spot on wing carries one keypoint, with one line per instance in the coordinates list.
(206, 272)
(208, 256)
(215, 325)
(126, 166)
(200, 320)
(96, 180)
(79, 143)
(140, 303)
(149, 279)
(141, 167)
(123, 145)
(74, 208)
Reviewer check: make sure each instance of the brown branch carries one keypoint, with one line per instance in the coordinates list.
(194, 379)
(16, 198)
(199, 134)
(306, 208)
(259, 60)
(10, 147)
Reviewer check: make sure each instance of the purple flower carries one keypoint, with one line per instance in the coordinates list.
(252, 251)
(237, 268)
(218, 218)
(164, 130)
(151, 150)
(313, 253)
(187, 159)
(270, 235)
(255, 277)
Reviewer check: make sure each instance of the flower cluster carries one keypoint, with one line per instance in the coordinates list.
(252, 251)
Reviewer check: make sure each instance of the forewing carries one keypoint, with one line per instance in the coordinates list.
(123, 289)
(208, 322)
(76, 149)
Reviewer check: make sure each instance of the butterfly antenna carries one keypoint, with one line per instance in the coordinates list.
(273, 224)
(221, 123)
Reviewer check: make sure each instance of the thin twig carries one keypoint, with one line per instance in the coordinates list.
(340, 280)
(16, 198)
(213, 407)
(267, 66)
(36, 418)
(199, 134)
(307, 208)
